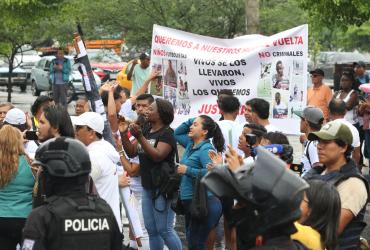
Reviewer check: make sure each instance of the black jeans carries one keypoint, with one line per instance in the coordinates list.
(11, 232)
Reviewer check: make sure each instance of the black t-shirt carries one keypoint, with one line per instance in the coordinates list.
(165, 135)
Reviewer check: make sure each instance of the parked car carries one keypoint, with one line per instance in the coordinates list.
(122, 77)
(19, 77)
(26, 60)
(105, 63)
(40, 78)
(328, 60)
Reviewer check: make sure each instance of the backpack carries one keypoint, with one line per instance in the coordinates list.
(164, 176)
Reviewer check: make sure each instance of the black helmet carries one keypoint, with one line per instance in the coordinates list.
(272, 193)
(63, 157)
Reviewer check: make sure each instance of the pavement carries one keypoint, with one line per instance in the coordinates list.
(25, 100)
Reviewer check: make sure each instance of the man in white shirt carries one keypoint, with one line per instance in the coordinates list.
(280, 109)
(337, 111)
(257, 111)
(104, 158)
(311, 121)
(231, 129)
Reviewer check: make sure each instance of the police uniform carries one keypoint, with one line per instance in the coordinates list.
(70, 219)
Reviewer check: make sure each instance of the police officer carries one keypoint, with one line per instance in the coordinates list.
(70, 219)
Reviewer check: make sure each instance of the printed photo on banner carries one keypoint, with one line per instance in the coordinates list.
(183, 107)
(280, 106)
(182, 86)
(156, 85)
(297, 86)
(264, 83)
(169, 94)
(280, 80)
(169, 73)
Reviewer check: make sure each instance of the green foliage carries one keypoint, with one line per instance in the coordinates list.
(20, 24)
(356, 38)
(134, 19)
(337, 13)
(280, 15)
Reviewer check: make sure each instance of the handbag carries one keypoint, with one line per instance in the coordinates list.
(176, 204)
(199, 206)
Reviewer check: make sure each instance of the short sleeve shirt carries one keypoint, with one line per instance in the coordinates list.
(320, 98)
(139, 76)
(146, 163)
(353, 194)
(310, 156)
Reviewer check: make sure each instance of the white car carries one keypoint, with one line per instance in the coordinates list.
(19, 77)
(40, 78)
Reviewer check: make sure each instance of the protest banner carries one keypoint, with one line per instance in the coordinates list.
(195, 68)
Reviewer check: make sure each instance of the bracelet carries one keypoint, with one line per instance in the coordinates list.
(121, 152)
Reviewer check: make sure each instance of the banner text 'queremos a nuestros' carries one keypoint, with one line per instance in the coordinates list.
(195, 68)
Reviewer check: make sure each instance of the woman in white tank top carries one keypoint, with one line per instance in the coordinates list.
(349, 96)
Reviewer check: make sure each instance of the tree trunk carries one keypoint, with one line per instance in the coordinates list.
(252, 13)
(10, 77)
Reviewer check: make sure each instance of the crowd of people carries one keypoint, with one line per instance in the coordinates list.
(61, 180)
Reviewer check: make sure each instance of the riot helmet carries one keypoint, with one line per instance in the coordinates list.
(63, 157)
(269, 195)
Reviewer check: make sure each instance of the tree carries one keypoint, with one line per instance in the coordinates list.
(134, 19)
(337, 13)
(19, 25)
(252, 11)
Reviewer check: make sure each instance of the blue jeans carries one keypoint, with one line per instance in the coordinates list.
(158, 220)
(197, 231)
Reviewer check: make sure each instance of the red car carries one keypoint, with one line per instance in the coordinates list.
(105, 63)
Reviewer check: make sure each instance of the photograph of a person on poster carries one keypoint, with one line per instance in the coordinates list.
(280, 109)
(170, 75)
(183, 89)
(278, 80)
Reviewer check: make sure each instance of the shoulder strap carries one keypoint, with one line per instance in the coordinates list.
(307, 152)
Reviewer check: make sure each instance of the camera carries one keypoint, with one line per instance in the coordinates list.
(251, 139)
(31, 135)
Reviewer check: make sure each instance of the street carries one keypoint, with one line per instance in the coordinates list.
(25, 100)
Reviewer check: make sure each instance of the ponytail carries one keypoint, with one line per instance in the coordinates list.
(214, 132)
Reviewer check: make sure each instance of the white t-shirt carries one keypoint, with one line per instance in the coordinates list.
(281, 108)
(127, 112)
(355, 135)
(135, 182)
(104, 159)
(30, 148)
(310, 150)
(271, 128)
(233, 129)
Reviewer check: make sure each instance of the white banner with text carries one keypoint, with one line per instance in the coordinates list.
(195, 68)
